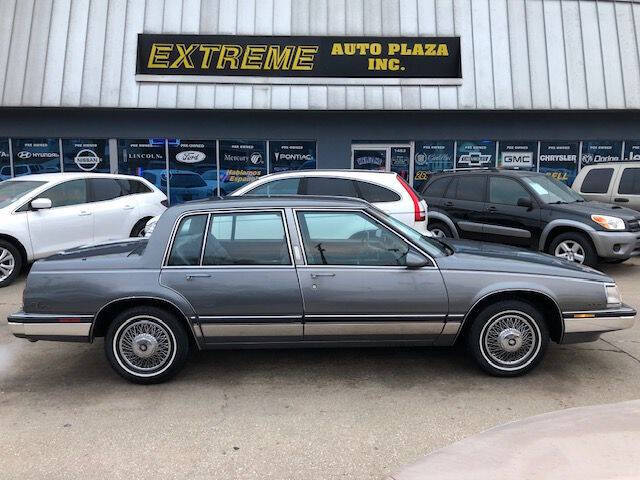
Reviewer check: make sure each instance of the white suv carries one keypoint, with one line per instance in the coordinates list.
(385, 190)
(47, 213)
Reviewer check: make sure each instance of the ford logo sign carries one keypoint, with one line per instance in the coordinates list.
(190, 156)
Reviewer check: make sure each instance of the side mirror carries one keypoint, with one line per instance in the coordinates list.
(416, 260)
(525, 202)
(41, 203)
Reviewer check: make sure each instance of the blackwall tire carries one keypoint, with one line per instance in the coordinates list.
(439, 229)
(146, 345)
(138, 228)
(10, 263)
(576, 245)
(508, 338)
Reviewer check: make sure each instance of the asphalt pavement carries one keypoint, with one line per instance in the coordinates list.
(281, 414)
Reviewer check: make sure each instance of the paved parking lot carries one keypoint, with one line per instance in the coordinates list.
(288, 414)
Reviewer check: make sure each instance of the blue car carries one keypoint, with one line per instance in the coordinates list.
(184, 185)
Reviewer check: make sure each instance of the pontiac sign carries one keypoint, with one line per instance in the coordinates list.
(298, 60)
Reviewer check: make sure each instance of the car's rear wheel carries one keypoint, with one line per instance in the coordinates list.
(10, 263)
(440, 230)
(508, 338)
(146, 345)
(575, 247)
(138, 228)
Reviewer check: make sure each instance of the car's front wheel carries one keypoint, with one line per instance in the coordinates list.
(508, 338)
(575, 247)
(146, 345)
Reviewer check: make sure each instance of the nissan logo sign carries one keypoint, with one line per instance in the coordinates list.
(87, 160)
(190, 156)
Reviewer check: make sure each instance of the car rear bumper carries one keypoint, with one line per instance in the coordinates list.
(63, 328)
(620, 245)
(586, 326)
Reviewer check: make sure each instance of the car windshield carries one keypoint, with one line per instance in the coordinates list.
(432, 246)
(12, 190)
(550, 190)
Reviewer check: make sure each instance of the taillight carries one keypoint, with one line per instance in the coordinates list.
(418, 211)
(165, 203)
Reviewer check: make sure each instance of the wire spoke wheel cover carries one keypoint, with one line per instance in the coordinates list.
(570, 250)
(144, 346)
(510, 340)
(7, 264)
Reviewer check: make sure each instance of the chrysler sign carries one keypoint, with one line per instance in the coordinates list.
(298, 59)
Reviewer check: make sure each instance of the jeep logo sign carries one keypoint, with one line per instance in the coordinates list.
(190, 156)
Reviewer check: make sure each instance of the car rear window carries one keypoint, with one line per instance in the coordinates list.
(340, 187)
(131, 187)
(376, 193)
(436, 188)
(630, 182)
(597, 180)
(471, 188)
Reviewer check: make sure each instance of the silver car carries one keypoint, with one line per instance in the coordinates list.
(310, 272)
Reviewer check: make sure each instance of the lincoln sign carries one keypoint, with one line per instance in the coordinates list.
(299, 60)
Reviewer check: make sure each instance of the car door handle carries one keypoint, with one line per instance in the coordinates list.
(622, 200)
(492, 209)
(128, 207)
(448, 204)
(84, 213)
(316, 275)
(191, 276)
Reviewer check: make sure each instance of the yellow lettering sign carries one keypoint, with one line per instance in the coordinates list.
(159, 55)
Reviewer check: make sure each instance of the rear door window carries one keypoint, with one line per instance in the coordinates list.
(187, 245)
(375, 193)
(131, 187)
(103, 189)
(437, 188)
(630, 182)
(471, 188)
(339, 187)
(597, 180)
(285, 186)
(451, 190)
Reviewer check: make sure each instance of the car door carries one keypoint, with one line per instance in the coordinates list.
(465, 204)
(114, 213)
(236, 270)
(68, 223)
(627, 193)
(356, 285)
(512, 214)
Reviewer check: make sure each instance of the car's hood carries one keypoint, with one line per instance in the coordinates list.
(596, 208)
(114, 254)
(471, 255)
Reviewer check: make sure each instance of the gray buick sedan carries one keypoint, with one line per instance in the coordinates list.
(305, 271)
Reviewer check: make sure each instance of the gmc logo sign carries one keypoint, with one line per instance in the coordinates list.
(519, 159)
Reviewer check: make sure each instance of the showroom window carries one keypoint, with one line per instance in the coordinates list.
(193, 169)
(349, 238)
(36, 155)
(246, 239)
(597, 180)
(291, 155)
(241, 162)
(82, 155)
(5, 159)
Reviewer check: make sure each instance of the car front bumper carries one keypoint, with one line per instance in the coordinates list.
(621, 245)
(588, 325)
(58, 327)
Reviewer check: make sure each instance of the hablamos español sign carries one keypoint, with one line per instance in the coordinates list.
(299, 59)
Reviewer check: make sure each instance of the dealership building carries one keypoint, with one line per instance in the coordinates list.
(205, 95)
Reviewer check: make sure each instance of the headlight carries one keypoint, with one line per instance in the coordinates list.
(613, 295)
(608, 223)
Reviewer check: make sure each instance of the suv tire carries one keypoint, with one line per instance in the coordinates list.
(575, 247)
(146, 345)
(508, 338)
(440, 229)
(10, 263)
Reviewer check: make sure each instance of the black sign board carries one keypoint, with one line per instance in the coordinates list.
(431, 157)
(5, 163)
(475, 154)
(35, 155)
(632, 150)
(301, 57)
(292, 155)
(83, 155)
(144, 157)
(559, 160)
(518, 155)
(600, 151)
(193, 170)
(241, 162)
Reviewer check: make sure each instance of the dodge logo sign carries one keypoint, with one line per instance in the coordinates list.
(87, 160)
(190, 156)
